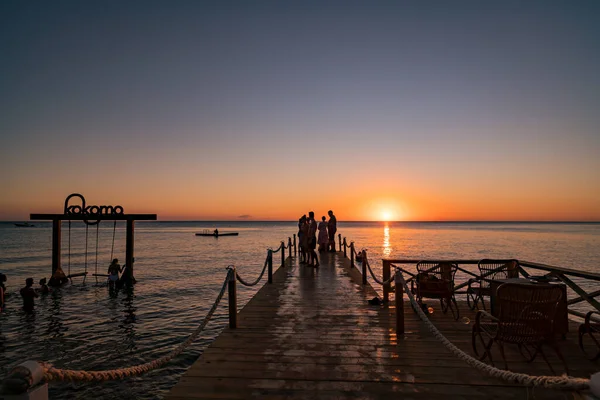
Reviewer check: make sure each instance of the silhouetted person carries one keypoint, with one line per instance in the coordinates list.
(127, 278)
(28, 295)
(331, 230)
(2, 291)
(58, 278)
(323, 239)
(216, 232)
(113, 272)
(312, 240)
(303, 238)
(44, 289)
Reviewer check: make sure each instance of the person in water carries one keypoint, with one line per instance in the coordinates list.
(44, 289)
(113, 272)
(28, 295)
(2, 291)
(216, 232)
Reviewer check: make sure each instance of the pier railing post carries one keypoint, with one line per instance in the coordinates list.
(295, 252)
(386, 276)
(339, 241)
(232, 299)
(270, 265)
(351, 254)
(399, 304)
(289, 247)
(345, 255)
(282, 254)
(364, 267)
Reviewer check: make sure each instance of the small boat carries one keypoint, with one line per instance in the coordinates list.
(24, 225)
(218, 234)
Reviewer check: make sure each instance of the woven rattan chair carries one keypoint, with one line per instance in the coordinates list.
(590, 329)
(435, 280)
(525, 318)
(489, 269)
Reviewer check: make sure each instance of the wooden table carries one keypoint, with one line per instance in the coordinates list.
(561, 322)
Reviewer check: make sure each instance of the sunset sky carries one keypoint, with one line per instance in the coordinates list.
(264, 110)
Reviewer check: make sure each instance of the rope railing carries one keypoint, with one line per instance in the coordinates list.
(243, 282)
(24, 376)
(551, 382)
(30, 373)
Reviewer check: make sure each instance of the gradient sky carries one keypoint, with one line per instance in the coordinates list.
(265, 110)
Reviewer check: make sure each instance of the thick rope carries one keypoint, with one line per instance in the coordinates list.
(56, 374)
(243, 282)
(552, 382)
(382, 283)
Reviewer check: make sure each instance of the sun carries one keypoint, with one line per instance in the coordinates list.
(387, 215)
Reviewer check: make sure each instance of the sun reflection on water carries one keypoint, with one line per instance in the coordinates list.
(387, 249)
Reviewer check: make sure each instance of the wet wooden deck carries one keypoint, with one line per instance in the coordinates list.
(312, 335)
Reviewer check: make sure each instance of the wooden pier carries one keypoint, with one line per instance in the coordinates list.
(312, 334)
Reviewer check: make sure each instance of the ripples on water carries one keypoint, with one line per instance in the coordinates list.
(84, 326)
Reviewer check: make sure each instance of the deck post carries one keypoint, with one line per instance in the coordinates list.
(282, 253)
(270, 265)
(129, 250)
(345, 255)
(339, 241)
(386, 276)
(399, 304)
(364, 267)
(295, 252)
(56, 245)
(289, 247)
(351, 254)
(232, 299)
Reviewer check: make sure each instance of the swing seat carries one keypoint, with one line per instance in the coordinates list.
(77, 274)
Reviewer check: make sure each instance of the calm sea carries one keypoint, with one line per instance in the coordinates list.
(82, 326)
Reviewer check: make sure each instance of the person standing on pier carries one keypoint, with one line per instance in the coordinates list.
(331, 229)
(302, 238)
(312, 240)
(323, 239)
(28, 294)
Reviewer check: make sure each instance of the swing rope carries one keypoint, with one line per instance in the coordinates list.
(86, 251)
(113, 241)
(69, 263)
(96, 269)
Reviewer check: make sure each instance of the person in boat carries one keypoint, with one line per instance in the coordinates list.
(28, 295)
(44, 289)
(113, 272)
(323, 239)
(216, 232)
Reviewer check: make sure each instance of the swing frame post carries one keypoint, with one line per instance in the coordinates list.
(56, 244)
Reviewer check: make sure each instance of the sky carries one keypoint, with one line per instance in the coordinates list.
(264, 110)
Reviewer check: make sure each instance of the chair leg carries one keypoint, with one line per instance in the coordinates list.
(559, 354)
(454, 308)
(539, 348)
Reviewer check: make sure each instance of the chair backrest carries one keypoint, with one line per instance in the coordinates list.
(527, 311)
(497, 269)
(436, 274)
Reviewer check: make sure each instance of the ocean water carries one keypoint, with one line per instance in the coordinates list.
(84, 326)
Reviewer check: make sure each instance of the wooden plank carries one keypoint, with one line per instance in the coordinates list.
(312, 334)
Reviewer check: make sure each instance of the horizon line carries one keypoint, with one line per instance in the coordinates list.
(363, 221)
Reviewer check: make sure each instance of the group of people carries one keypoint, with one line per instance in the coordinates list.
(307, 236)
(29, 293)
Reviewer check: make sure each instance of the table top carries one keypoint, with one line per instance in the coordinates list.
(525, 281)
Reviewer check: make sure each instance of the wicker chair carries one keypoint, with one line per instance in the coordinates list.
(525, 318)
(591, 329)
(489, 270)
(435, 280)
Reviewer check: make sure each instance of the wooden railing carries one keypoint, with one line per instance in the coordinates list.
(565, 275)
